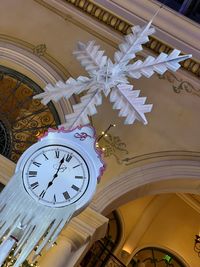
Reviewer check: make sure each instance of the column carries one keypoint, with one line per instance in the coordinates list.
(58, 255)
(75, 240)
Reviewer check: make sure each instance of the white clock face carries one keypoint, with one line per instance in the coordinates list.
(56, 175)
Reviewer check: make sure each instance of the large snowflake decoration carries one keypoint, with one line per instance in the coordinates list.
(112, 78)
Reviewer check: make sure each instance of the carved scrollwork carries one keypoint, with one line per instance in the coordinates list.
(5, 138)
(114, 146)
(179, 85)
(22, 118)
(40, 50)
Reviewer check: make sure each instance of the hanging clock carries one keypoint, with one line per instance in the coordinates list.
(56, 175)
(54, 180)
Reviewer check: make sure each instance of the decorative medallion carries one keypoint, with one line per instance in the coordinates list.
(40, 50)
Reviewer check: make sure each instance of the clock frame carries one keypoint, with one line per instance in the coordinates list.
(86, 196)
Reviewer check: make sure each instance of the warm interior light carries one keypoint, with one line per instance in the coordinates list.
(125, 253)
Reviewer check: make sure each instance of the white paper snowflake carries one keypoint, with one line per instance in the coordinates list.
(112, 78)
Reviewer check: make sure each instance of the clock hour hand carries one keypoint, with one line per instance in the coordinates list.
(51, 182)
(56, 174)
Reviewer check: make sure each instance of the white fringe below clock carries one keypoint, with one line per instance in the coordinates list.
(18, 210)
(32, 220)
(112, 78)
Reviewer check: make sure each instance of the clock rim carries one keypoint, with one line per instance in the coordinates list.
(86, 198)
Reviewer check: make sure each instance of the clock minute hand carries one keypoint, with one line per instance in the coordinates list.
(56, 174)
(61, 162)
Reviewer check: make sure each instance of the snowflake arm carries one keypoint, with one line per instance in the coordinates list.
(87, 107)
(151, 65)
(133, 43)
(90, 57)
(112, 78)
(130, 105)
(67, 89)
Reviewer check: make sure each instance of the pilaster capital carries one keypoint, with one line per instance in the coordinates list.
(88, 226)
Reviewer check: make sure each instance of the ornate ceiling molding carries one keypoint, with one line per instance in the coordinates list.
(67, 9)
(123, 27)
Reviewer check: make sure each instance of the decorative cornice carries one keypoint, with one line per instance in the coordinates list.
(123, 27)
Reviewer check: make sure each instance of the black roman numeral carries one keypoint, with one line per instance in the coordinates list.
(75, 187)
(66, 195)
(34, 185)
(45, 156)
(78, 177)
(57, 153)
(42, 194)
(32, 173)
(54, 198)
(76, 166)
(37, 163)
(68, 158)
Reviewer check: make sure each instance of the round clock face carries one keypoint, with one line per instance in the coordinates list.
(56, 175)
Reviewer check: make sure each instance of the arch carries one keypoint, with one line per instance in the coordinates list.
(164, 248)
(156, 173)
(42, 69)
